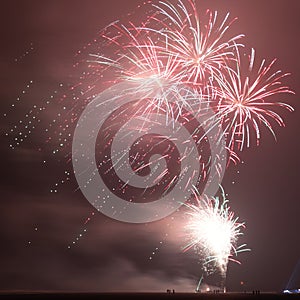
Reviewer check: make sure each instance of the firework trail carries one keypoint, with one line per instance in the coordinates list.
(140, 162)
(213, 232)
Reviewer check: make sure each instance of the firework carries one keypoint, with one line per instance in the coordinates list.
(151, 136)
(213, 232)
(176, 46)
(198, 43)
(244, 104)
(181, 61)
(172, 47)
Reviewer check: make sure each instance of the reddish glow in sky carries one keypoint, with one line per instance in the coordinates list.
(53, 239)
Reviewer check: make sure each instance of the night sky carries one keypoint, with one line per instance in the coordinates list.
(40, 220)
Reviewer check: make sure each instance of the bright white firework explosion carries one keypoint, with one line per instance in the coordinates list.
(213, 232)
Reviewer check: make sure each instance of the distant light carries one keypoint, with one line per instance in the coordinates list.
(295, 291)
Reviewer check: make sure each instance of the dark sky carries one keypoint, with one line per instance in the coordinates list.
(37, 226)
